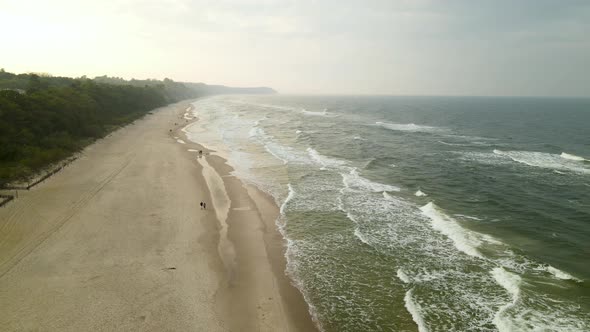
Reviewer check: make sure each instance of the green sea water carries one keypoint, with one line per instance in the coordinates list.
(422, 213)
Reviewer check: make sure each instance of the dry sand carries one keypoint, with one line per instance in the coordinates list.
(117, 242)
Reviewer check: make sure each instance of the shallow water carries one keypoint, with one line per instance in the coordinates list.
(422, 213)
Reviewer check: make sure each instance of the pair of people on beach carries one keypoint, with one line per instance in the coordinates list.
(203, 206)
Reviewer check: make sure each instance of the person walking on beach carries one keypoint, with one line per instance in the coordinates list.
(201, 204)
(204, 206)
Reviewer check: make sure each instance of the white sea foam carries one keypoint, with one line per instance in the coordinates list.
(559, 274)
(325, 162)
(511, 283)
(571, 157)
(277, 151)
(360, 235)
(415, 310)
(470, 143)
(353, 180)
(467, 217)
(359, 138)
(545, 160)
(451, 144)
(464, 240)
(256, 132)
(408, 127)
(419, 193)
(403, 276)
(288, 199)
(284, 153)
(517, 315)
(324, 113)
(180, 141)
(388, 196)
(298, 131)
(508, 280)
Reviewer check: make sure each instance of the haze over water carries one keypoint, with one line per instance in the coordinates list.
(422, 213)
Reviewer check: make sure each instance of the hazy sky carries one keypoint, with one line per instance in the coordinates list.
(470, 47)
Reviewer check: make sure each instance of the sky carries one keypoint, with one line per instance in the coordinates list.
(399, 47)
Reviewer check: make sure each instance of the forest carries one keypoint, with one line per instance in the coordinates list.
(45, 119)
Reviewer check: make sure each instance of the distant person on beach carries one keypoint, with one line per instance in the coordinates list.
(201, 204)
(204, 206)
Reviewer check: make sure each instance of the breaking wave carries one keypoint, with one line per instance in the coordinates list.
(545, 160)
(353, 180)
(571, 157)
(323, 113)
(464, 239)
(411, 127)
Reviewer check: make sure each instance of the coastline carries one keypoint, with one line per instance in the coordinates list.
(116, 241)
(251, 249)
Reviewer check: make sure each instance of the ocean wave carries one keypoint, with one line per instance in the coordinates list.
(415, 311)
(290, 196)
(325, 162)
(284, 153)
(353, 180)
(419, 193)
(411, 127)
(467, 217)
(527, 312)
(572, 157)
(293, 272)
(544, 160)
(511, 283)
(464, 239)
(469, 144)
(557, 273)
(403, 276)
(323, 113)
(452, 144)
(359, 235)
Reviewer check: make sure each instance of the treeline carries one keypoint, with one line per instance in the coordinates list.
(46, 119)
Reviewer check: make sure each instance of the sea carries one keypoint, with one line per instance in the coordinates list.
(421, 213)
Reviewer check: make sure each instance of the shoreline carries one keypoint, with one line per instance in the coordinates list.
(248, 220)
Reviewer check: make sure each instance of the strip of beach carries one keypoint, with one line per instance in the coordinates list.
(117, 241)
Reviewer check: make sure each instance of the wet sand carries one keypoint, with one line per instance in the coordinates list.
(117, 241)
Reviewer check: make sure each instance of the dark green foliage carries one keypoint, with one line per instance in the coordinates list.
(58, 116)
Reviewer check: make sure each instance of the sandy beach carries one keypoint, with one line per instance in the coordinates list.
(117, 241)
